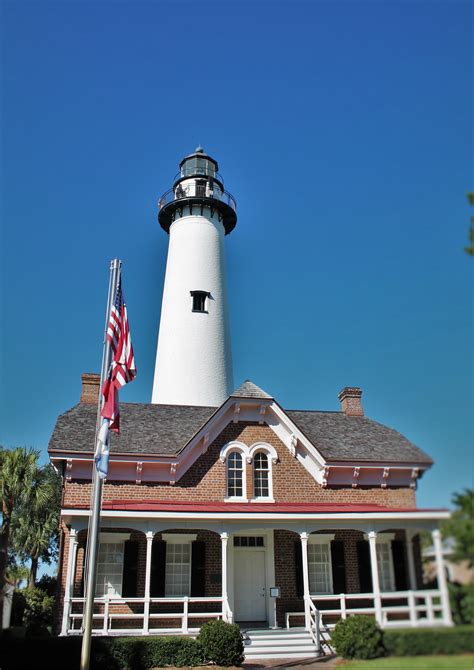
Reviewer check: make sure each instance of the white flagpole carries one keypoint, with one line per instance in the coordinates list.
(97, 483)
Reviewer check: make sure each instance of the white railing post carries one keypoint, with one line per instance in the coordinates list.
(304, 555)
(225, 601)
(70, 575)
(375, 576)
(185, 615)
(441, 574)
(429, 608)
(411, 560)
(105, 626)
(343, 606)
(411, 605)
(146, 604)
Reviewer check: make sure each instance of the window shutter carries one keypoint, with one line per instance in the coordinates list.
(198, 569)
(83, 579)
(299, 569)
(365, 573)
(338, 567)
(130, 569)
(399, 565)
(158, 569)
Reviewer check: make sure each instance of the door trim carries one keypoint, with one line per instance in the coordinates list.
(269, 567)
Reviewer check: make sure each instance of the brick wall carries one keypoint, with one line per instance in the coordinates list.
(206, 479)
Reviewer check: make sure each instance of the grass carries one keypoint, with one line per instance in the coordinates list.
(460, 662)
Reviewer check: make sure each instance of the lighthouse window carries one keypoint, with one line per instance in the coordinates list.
(199, 300)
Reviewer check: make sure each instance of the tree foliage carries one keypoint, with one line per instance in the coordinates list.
(26, 491)
(461, 526)
(35, 526)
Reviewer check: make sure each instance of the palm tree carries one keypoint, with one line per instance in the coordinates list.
(16, 574)
(18, 484)
(35, 526)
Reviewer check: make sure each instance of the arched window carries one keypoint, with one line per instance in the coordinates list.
(260, 475)
(235, 471)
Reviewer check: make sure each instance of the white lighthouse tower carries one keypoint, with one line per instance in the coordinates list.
(194, 359)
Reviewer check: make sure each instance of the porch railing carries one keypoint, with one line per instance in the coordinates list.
(314, 625)
(399, 608)
(138, 616)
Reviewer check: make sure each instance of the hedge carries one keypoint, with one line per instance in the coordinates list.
(107, 653)
(429, 641)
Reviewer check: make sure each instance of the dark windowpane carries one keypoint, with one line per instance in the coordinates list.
(260, 476)
(251, 541)
(199, 301)
(235, 460)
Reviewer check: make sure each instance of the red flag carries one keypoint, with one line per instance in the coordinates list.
(122, 369)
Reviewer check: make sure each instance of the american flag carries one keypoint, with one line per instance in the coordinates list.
(122, 370)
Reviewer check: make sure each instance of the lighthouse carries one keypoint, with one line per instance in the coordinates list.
(194, 358)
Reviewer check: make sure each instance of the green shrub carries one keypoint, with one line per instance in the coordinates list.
(38, 614)
(426, 641)
(358, 637)
(222, 643)
(152, 652)
(461, 597)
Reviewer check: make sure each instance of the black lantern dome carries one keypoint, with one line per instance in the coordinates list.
(198, 185)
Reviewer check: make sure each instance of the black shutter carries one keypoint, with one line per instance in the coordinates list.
(82, 584)
(399, 565)
(338, 567)
(299, 569)
(130, 569)
(198, 569)
(365, 573)
(158, 569)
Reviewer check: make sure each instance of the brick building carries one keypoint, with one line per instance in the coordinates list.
(215, 498)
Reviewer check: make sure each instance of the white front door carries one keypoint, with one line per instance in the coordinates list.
(249, 585)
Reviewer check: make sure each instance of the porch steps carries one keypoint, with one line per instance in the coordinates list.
(280, 643)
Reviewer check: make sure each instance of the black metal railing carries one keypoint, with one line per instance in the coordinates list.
(174, 195)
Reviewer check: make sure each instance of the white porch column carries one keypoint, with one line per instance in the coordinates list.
(71, 570)
(375, 575)
(146, 604)
(441, 574)
(304, 556)
(411, 560)
(226, 614)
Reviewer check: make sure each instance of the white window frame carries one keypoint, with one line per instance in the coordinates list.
(322, 539)
(385, 539)
(242, 449)
(111, 538)
(272, 457)
(173, 539)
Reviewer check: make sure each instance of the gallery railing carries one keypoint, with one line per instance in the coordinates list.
(143, 615)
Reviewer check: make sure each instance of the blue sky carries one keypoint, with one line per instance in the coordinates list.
(344, 131)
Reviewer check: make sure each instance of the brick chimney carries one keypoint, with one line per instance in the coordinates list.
(90, 388)
(350, 401)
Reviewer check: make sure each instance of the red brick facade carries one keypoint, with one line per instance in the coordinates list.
(206, 479)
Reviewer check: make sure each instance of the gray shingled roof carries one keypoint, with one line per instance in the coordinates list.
(166, 429)
(144, 428)
(250, 390)
(341, 438)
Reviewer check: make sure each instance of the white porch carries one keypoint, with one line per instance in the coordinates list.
(248, 568)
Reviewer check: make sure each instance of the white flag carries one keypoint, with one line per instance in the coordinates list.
(103, 451)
